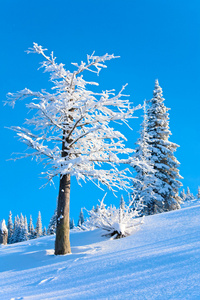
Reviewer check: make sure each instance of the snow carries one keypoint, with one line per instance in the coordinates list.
(160, 261)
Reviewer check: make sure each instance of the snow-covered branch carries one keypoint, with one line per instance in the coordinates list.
(78, 120)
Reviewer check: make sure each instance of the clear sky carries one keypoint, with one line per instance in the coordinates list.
(155, 39)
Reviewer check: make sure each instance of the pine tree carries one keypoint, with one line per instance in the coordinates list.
(72, 224)
(25, 230)
(44, 231)
(183, 195)
(81, 218)
(144, 179)
(38, 228)
(198, 194)
(52, 224)
(166, 185)
(16, 233)
(189, 195)
(31, 229)
(10, 228)
(122, 202)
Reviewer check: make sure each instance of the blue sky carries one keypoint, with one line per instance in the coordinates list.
(155, 39)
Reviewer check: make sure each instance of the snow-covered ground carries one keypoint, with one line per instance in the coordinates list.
(161, 261)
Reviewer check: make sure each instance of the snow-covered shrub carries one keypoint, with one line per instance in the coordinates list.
(116, 222)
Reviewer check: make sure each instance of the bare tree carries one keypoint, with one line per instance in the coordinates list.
(71, 132)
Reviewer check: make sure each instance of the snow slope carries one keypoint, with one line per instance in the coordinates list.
(161, 261)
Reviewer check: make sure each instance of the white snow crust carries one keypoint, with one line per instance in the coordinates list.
(161, 261)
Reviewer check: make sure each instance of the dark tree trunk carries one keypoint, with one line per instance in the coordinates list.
(62, 243)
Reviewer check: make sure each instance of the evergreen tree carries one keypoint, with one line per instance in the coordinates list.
(189, 195)
(10, 228)
(25, 230)
(81, 218)
(31, 229)
(38, 228)
(72, 224)
(144, 179)
(198, 194)
(52, 224)
(16, 233)
(183, 195)
(44, 231)
(166, 185)
(122, 202)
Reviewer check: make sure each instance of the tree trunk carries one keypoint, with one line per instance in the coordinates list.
(3, 238)
(62, 243)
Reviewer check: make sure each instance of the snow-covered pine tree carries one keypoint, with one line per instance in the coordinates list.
(81, 120)
(81, 218)
(44, 231)
(38, 228)
(16, 232)
(25, 230)
(52, 224)
(122, 203)
(31, 229)
(198, 194)
(10, 228)
(166, 185)
(72, 224)
(189, 195)
(183, 195)
(144, 179)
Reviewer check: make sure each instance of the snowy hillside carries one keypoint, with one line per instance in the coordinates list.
(161, 261)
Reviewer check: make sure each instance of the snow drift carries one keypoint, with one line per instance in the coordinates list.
(161, 261)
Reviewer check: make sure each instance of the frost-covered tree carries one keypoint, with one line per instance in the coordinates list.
(198, 194)
(44, 231)
(122, 203)
(38, 228)
(183, 195)
(166, 185)
(3, 233)
(16, 233)
(81, 218)
(189, 195)
(72, 224)
(52, 224)
(145, 178)
(10, 228)
(72, 131)
(25, 230)
(31, 229)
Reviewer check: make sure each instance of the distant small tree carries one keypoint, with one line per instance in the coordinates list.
(81, 218)
(72, 224)
(38, 228)
(80, 120)
(189, 195)
(122, 203)
(10, 228)
(52, 224)
(3, 233)
(44, 231)
(198, 194)
(16, 233)
(31, 229)
(183, 195)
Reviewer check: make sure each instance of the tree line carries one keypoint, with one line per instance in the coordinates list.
(21, 230)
